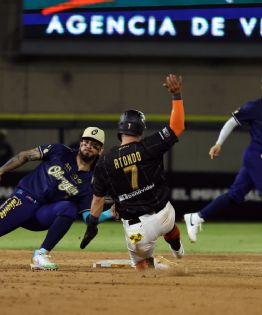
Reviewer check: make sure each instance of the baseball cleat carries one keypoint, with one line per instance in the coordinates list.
(41, 261)
(147, 263)
(178, 253)
(38, 267)
(193, 224)
(162, 263)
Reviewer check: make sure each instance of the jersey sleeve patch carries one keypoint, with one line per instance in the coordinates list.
(44, 149)
(164, 133)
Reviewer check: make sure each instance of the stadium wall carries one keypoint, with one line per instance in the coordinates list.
(82, 85)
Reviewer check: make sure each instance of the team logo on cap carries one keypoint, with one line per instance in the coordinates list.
(94, 132)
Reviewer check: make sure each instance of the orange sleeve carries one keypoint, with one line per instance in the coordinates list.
(177, 117)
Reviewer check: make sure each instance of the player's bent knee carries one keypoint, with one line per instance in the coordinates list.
(67, 209)
(236, 198)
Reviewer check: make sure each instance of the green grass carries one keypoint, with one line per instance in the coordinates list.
(215, 238)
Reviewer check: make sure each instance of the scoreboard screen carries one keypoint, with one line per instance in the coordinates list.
(142, 28)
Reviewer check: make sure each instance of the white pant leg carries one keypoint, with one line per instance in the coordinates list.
(143, 246)
(166, 219)
(146, 232)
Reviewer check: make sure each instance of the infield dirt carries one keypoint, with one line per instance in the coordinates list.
(214, 284)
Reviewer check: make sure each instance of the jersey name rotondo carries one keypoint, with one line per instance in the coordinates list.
(251, 114)
(133, 175)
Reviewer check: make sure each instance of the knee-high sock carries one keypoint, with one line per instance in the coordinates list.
(173, 238)
(56, 232)
(216, 205)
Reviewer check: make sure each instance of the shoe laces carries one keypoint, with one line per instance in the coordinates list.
(200, 227)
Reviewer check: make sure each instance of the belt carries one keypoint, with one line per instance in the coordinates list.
(20, 191)
(134, 221)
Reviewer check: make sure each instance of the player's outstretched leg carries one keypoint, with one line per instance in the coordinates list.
(194, 220)
(175, 244)
(193, 224)
(41, 260)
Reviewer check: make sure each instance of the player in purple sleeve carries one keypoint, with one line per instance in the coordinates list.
(250, 174)
(51, 196)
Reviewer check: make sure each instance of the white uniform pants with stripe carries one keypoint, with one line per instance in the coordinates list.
(141, 237)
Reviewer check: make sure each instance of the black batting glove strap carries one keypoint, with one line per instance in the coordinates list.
(176, 96)
(92, 220)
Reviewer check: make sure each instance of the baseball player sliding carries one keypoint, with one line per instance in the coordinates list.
(136, 182)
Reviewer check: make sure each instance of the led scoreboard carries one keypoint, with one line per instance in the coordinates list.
(142, 28)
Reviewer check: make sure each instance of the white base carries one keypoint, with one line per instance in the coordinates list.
(112, 263)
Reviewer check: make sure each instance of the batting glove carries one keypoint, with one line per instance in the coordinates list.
(91, 231)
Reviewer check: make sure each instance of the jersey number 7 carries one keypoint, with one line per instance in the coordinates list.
(134, 175)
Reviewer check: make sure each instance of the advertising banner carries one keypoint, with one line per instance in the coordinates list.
(142, 28)
(189, 192)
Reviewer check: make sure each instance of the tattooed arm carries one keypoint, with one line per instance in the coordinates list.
(20, 159)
